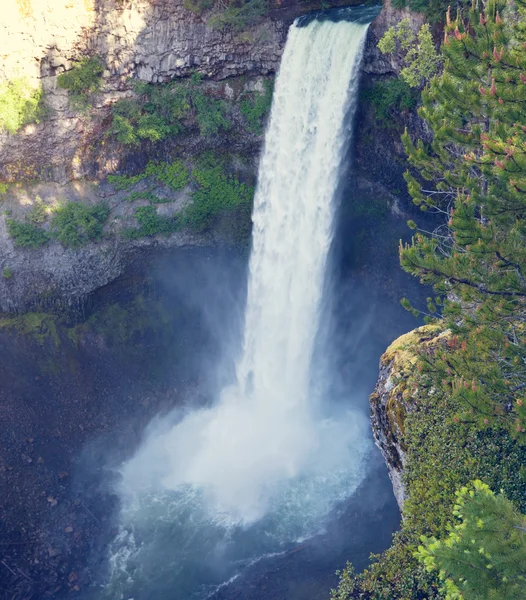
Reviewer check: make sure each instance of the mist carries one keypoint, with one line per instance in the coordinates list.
(269, 457)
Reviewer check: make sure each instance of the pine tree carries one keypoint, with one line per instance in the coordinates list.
(476, 260)
(484, 556)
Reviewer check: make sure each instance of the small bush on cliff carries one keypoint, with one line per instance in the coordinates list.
(175, 175)
(161, 111)
(156, 113)
(239, 14)
(20, 104)
(256, 108)
(26, 235)
(390, 98)
(82, 80)
(150, 223)
(74, 224)
(217, 192)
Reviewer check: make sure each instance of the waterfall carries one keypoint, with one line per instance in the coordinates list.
(266, 460)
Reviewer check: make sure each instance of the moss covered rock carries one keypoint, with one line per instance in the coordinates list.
(392, 398)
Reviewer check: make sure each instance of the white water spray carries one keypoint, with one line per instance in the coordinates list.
(265, 449)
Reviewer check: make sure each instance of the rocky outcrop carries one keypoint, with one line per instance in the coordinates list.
(393, 399)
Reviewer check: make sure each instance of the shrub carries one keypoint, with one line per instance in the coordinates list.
(150, 223)
(239, 15)
(198, 6)
(154, 115)
(390, 98)
(175, 174)
(421, 60)
(123, 182)
(7, 273)
(82, 80)
(74, 224)
(216, 192)
(20, 104)
(38, 212)
(26, 235)
(256, 108)
(160, 110)
(210, 114)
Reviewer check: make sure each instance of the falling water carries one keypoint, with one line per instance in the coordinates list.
(265, 465)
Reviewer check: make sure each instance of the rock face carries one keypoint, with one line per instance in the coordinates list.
(392, 399)
(153, 41)
(147, 40)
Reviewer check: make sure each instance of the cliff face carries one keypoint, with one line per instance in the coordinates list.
(67, 154)
(147, 40)
(393, 399)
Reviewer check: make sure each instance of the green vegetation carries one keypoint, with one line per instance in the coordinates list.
(123, 323)
(124, 182)
(82, 80)
(468, 393)
(26, 235)
(38, 212)
(41, 326)
(210, 113)
(20, 104)
(7, 273)
(150, 223)
(235, 15)
(74, 224)
(420, 57)
(216, 192)
(163, 111)
(217, 195)
(389, 98)
(478, 258)
(256, 108)
(483, 556)
(239, 15)
(174, 175)
(434, 10)
(442, 456)
(156, 114)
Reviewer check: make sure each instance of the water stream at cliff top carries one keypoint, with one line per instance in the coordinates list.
(214, 490)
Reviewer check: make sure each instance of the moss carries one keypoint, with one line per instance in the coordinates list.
(41, 326)
(404, 350)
